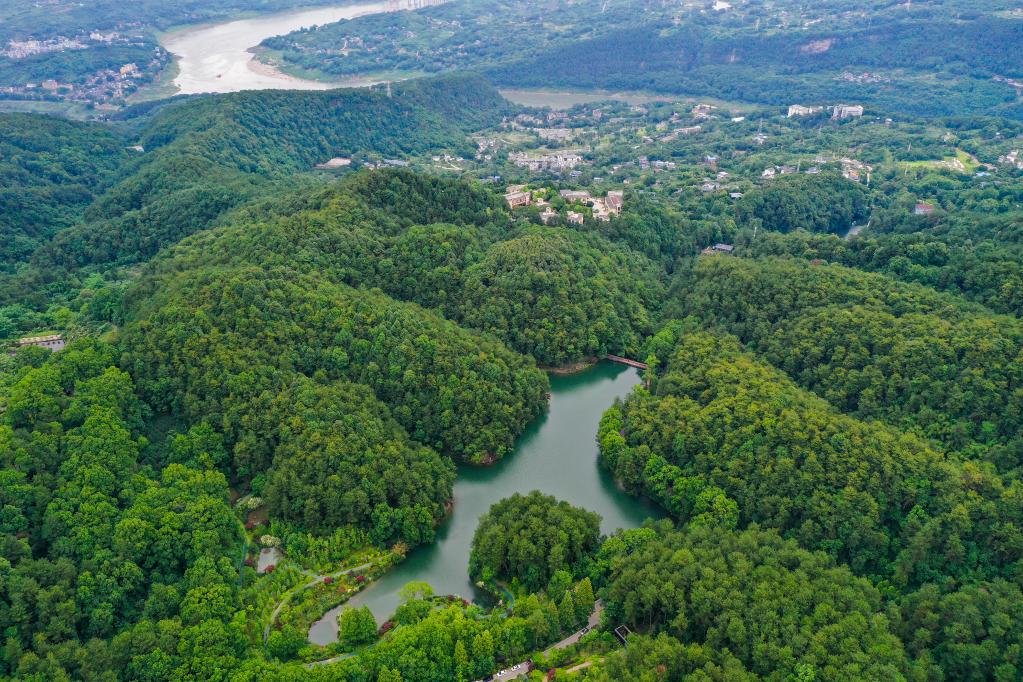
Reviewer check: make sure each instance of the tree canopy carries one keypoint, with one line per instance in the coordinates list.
(531, 537)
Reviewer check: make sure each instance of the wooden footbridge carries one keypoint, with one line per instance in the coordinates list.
(626, 361)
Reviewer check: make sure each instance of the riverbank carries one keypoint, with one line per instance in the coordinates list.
(219, 57)
(265, 57)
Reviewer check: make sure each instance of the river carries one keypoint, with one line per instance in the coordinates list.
(557, 455)
(217, 58)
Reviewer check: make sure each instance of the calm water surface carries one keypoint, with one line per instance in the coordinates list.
(556, 455)
(217, 58)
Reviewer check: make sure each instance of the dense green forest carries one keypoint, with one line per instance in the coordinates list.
(455, 35)
(971, 253)
(781, 67)
(205, 156)
(723, 439)
(875, 348)
(749, 603)
(279, 376)
(529, 538)
(807, 203)
(108, 565)
(52, 170)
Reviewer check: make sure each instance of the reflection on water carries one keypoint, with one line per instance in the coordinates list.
(556, 455)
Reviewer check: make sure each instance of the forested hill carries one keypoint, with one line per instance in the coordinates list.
(914, 72)
(52, 170)
(929, 58)
(204, 156)
(899, 353)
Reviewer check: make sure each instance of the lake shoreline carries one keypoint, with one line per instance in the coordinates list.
(572, 368)
(556, 454)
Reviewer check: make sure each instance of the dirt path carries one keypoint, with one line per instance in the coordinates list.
(316, 579)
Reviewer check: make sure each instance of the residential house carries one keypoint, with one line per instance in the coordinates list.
(548, 162)
(575, 195)
(517, 199)
(923, 209)
(555, 134)
(615, 201)
(702, 111)
(1013, 158)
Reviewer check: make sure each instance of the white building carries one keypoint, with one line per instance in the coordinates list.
(799, 110)
(842, 111)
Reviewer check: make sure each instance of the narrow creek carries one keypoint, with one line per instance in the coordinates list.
(556, 455)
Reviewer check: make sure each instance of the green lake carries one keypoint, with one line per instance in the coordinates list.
(556, 455)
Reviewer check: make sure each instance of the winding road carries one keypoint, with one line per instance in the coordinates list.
(522, 668)
(316, 580)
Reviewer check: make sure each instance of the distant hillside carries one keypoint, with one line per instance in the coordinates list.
(207, 155)
(894, 63)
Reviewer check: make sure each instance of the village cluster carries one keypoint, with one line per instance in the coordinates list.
(578, 203)
(100, 88)
(616, 144)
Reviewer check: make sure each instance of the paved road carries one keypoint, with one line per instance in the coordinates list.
(594, 620)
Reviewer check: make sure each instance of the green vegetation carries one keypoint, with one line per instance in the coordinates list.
(206, 156)
(885, 55)
(875, 348)
(831, 420)
(52, 171)
(582, 297)
(720, 421)
(308, 326)
(356, 627)
(751, 604)
(812, 203)
(530, 538)
(106, 566)
(453, 36)
(972, 253)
